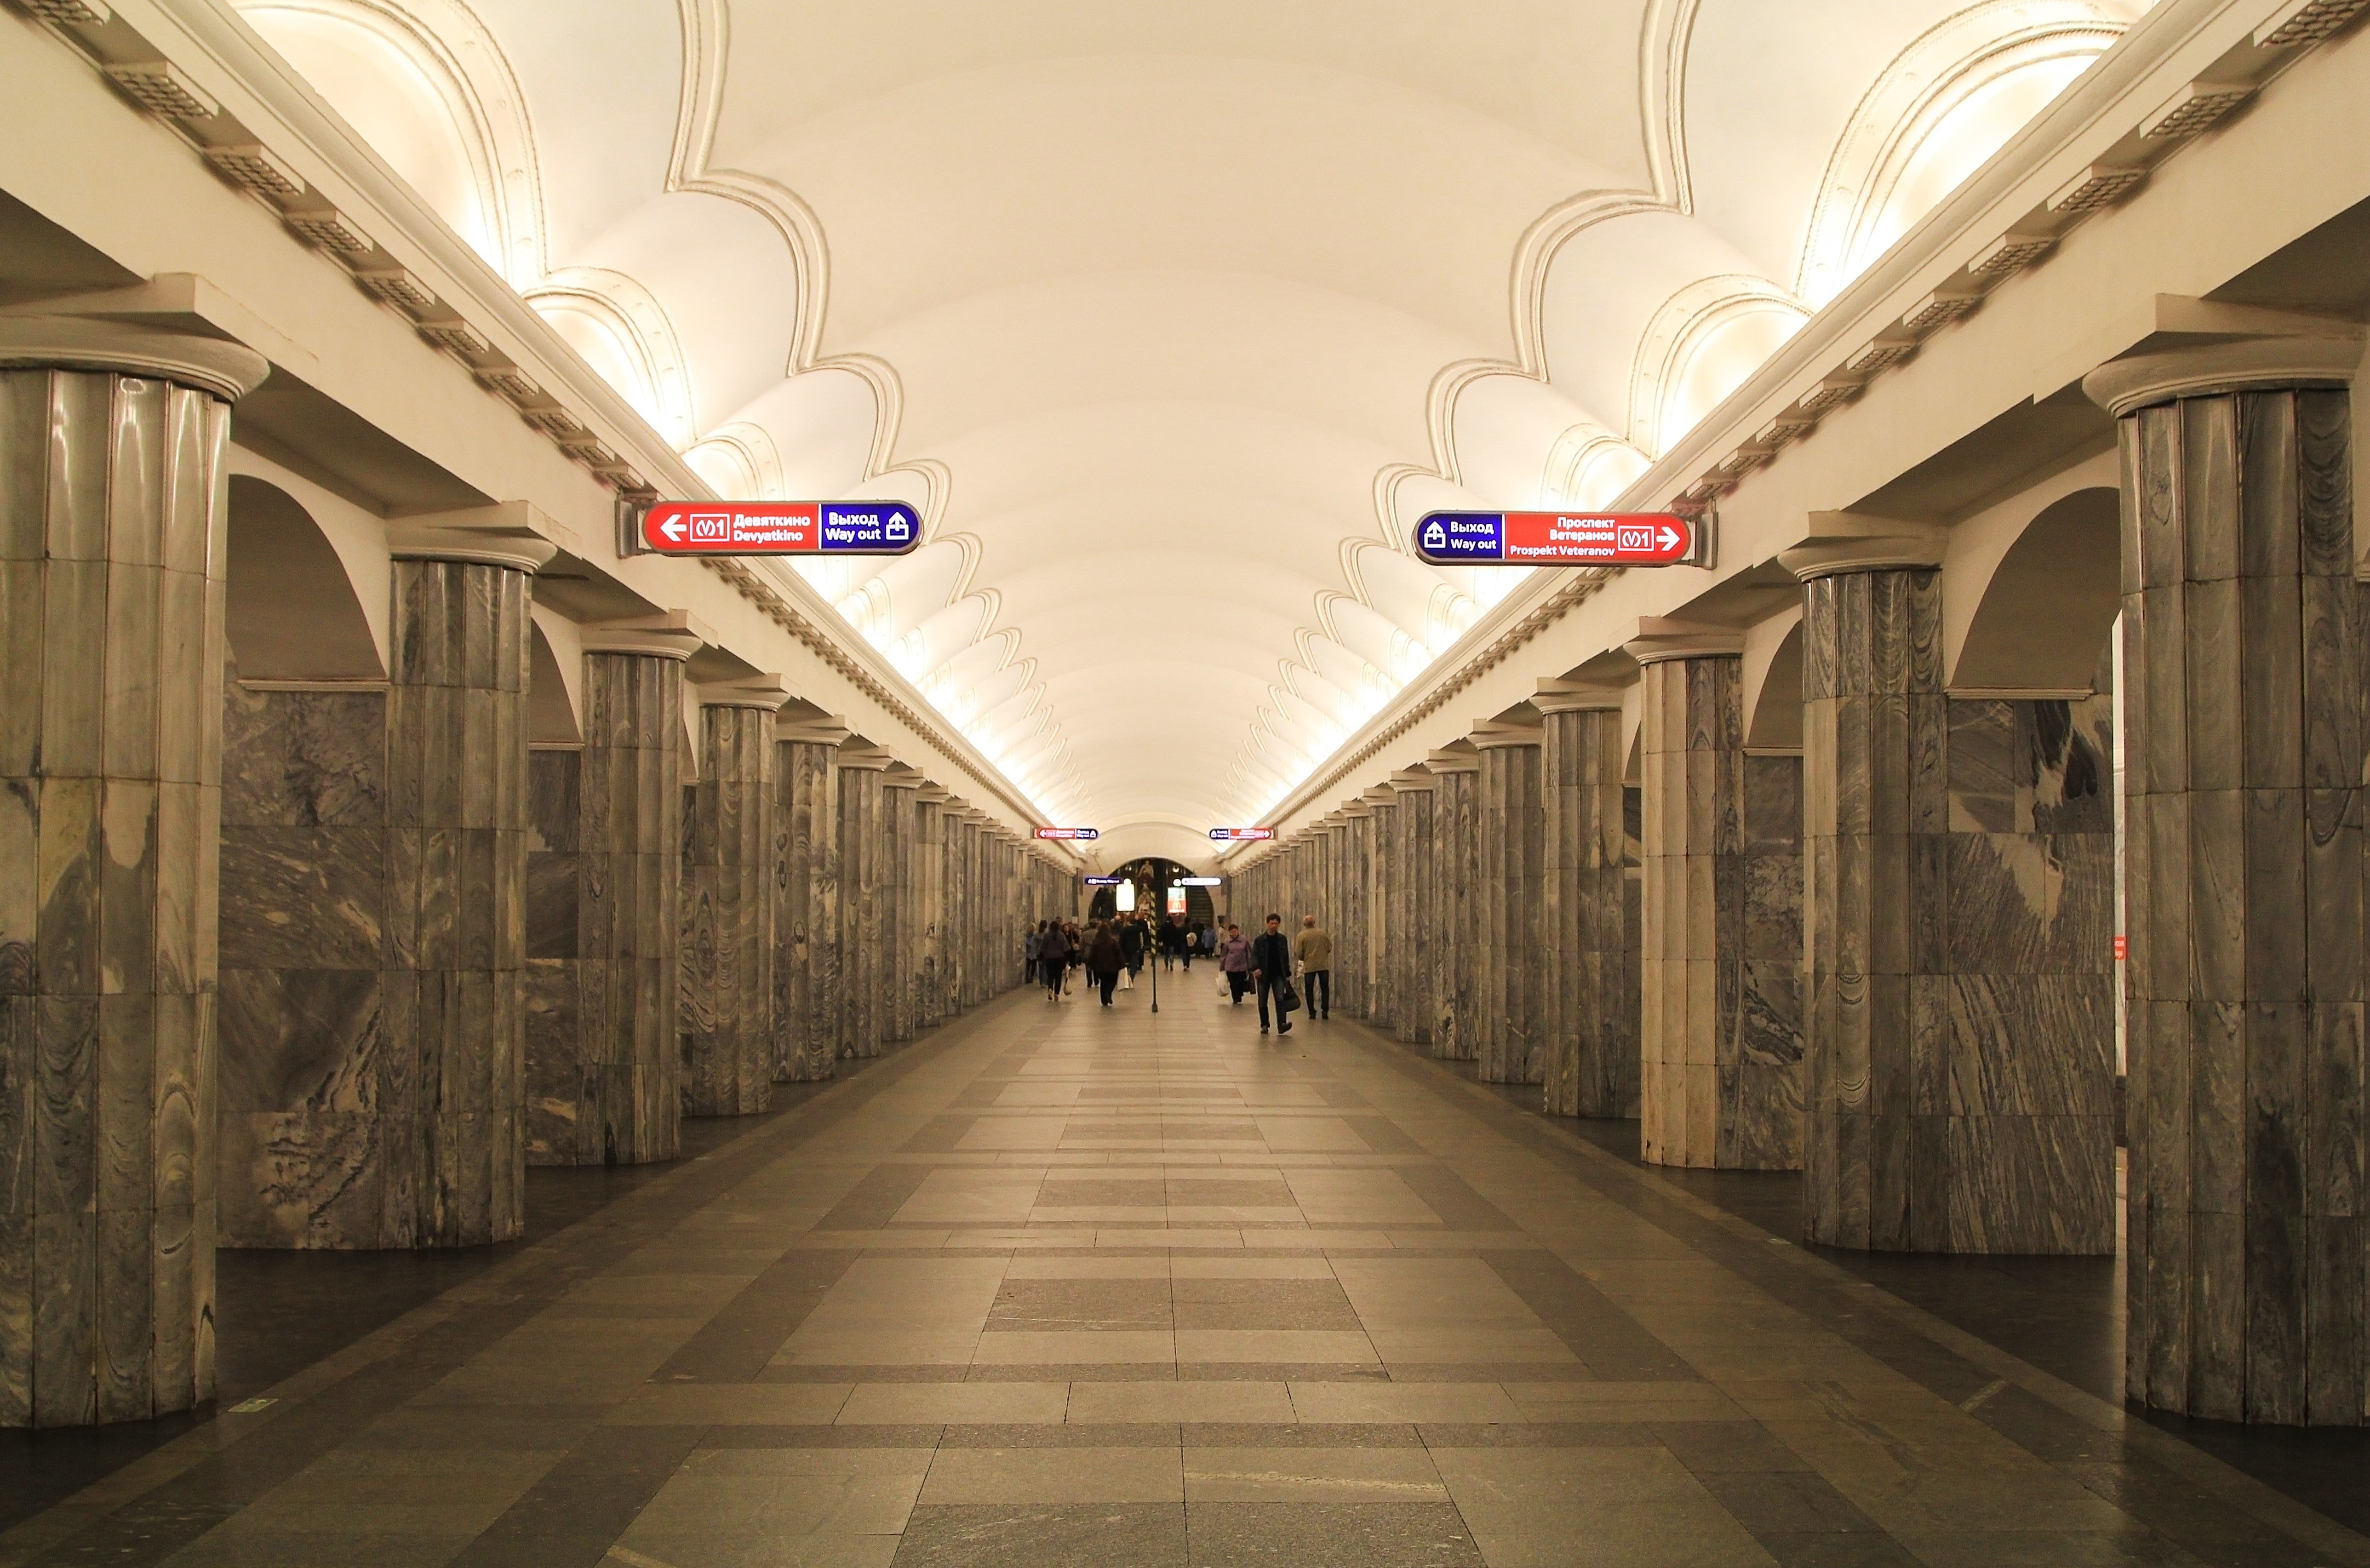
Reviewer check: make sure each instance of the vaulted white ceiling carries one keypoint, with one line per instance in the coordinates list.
(1173, 318)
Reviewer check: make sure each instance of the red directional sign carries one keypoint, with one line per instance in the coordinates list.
(1070, 832)
(1236, 834)
(1558, 538)
(780, 528)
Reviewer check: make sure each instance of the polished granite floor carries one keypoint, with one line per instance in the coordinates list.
(1068, 1286)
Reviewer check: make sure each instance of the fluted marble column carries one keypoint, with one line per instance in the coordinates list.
(1510, 828)
(901, 928)
(1384, 959)
(1412, 908)
(374, 882)
(1352, 971)
(2244, 651)
(724, 1010)
(1720, 1018)
(953, 827)
(1589, 1004)
(111, 545)
(809, 997)
(604, 1059)
(864, 961)
(1452, 873)
(930, 903)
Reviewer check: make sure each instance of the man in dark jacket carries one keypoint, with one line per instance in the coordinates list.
(1103, 958)
(1271, 967)
(1053, 952)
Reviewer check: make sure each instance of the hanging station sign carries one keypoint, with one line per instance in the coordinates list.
(1200, 881)
(1102, 881)
(780, 528)
(1080, 835)
(1559, 538)
(1239, 834)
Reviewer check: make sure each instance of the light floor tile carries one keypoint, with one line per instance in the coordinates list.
(1055, 1475)
(1312, 1475)
(1274, 1347)
(732, 1405)
(1222, 1400)
(926, 1404)
(1460, 1404)
(1074, 1347)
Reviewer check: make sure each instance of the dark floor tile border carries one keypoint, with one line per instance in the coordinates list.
(742, 1337)
(1914, 1343)
(571, 1517)
(1611, 1342)
(875, 1199)
(1453, 1198)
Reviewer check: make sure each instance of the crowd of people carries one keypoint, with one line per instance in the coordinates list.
(1109, 954)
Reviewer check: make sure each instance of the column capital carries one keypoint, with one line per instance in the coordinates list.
(1446, 760)
(830, 732)
(932, 795)
(897, 776)
(1380, 795)
(2246, 364)
(1412, 781)
(509, 534)
(1496, 737)
(865, 758)
(229, 371)
(1660, 636)
(667, 634)
(1354, 808)
(766, 692)
(1577, 696)
(1838, 542)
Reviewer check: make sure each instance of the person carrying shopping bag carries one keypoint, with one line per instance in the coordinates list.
(1235, 964)
(1272, 968)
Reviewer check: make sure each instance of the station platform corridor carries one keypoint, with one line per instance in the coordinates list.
(1062, 1286)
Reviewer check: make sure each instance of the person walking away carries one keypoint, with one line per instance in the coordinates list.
(1032, 942)
(1053, 954)
(1103, 958)
(1271, 970)
(1235, 964)
(1314, 949)
(1130, 950)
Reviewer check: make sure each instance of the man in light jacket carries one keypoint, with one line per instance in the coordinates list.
(1314, 948)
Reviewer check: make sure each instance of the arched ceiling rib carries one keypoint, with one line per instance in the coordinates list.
(1173, 319)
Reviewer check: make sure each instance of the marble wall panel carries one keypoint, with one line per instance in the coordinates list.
(724, 1009)
(1384, 958)
(806, 880)
(1413, 914)
(863, 965)
(603, 1061)
(111, 651)
(2246, 660)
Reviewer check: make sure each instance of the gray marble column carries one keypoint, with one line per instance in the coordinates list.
(900, 927)
(808, 996)
(1383, 959)
(930, 902)
(1720, 1015)
(111, 546)
(603, 1057)
(1510, 828)
(864, 963)
(724, 1011)
(953, 827)
(1412, 908)
(1451, 875)
(373, 896)
(1589, 1005)
(2244, 662)
(1351, 971)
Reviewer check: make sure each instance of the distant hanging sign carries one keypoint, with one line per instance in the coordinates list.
(1234, 835)
(780, 528)
(1559, 538)
(1102, 881)
(1200, 881)
(1079, 834)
